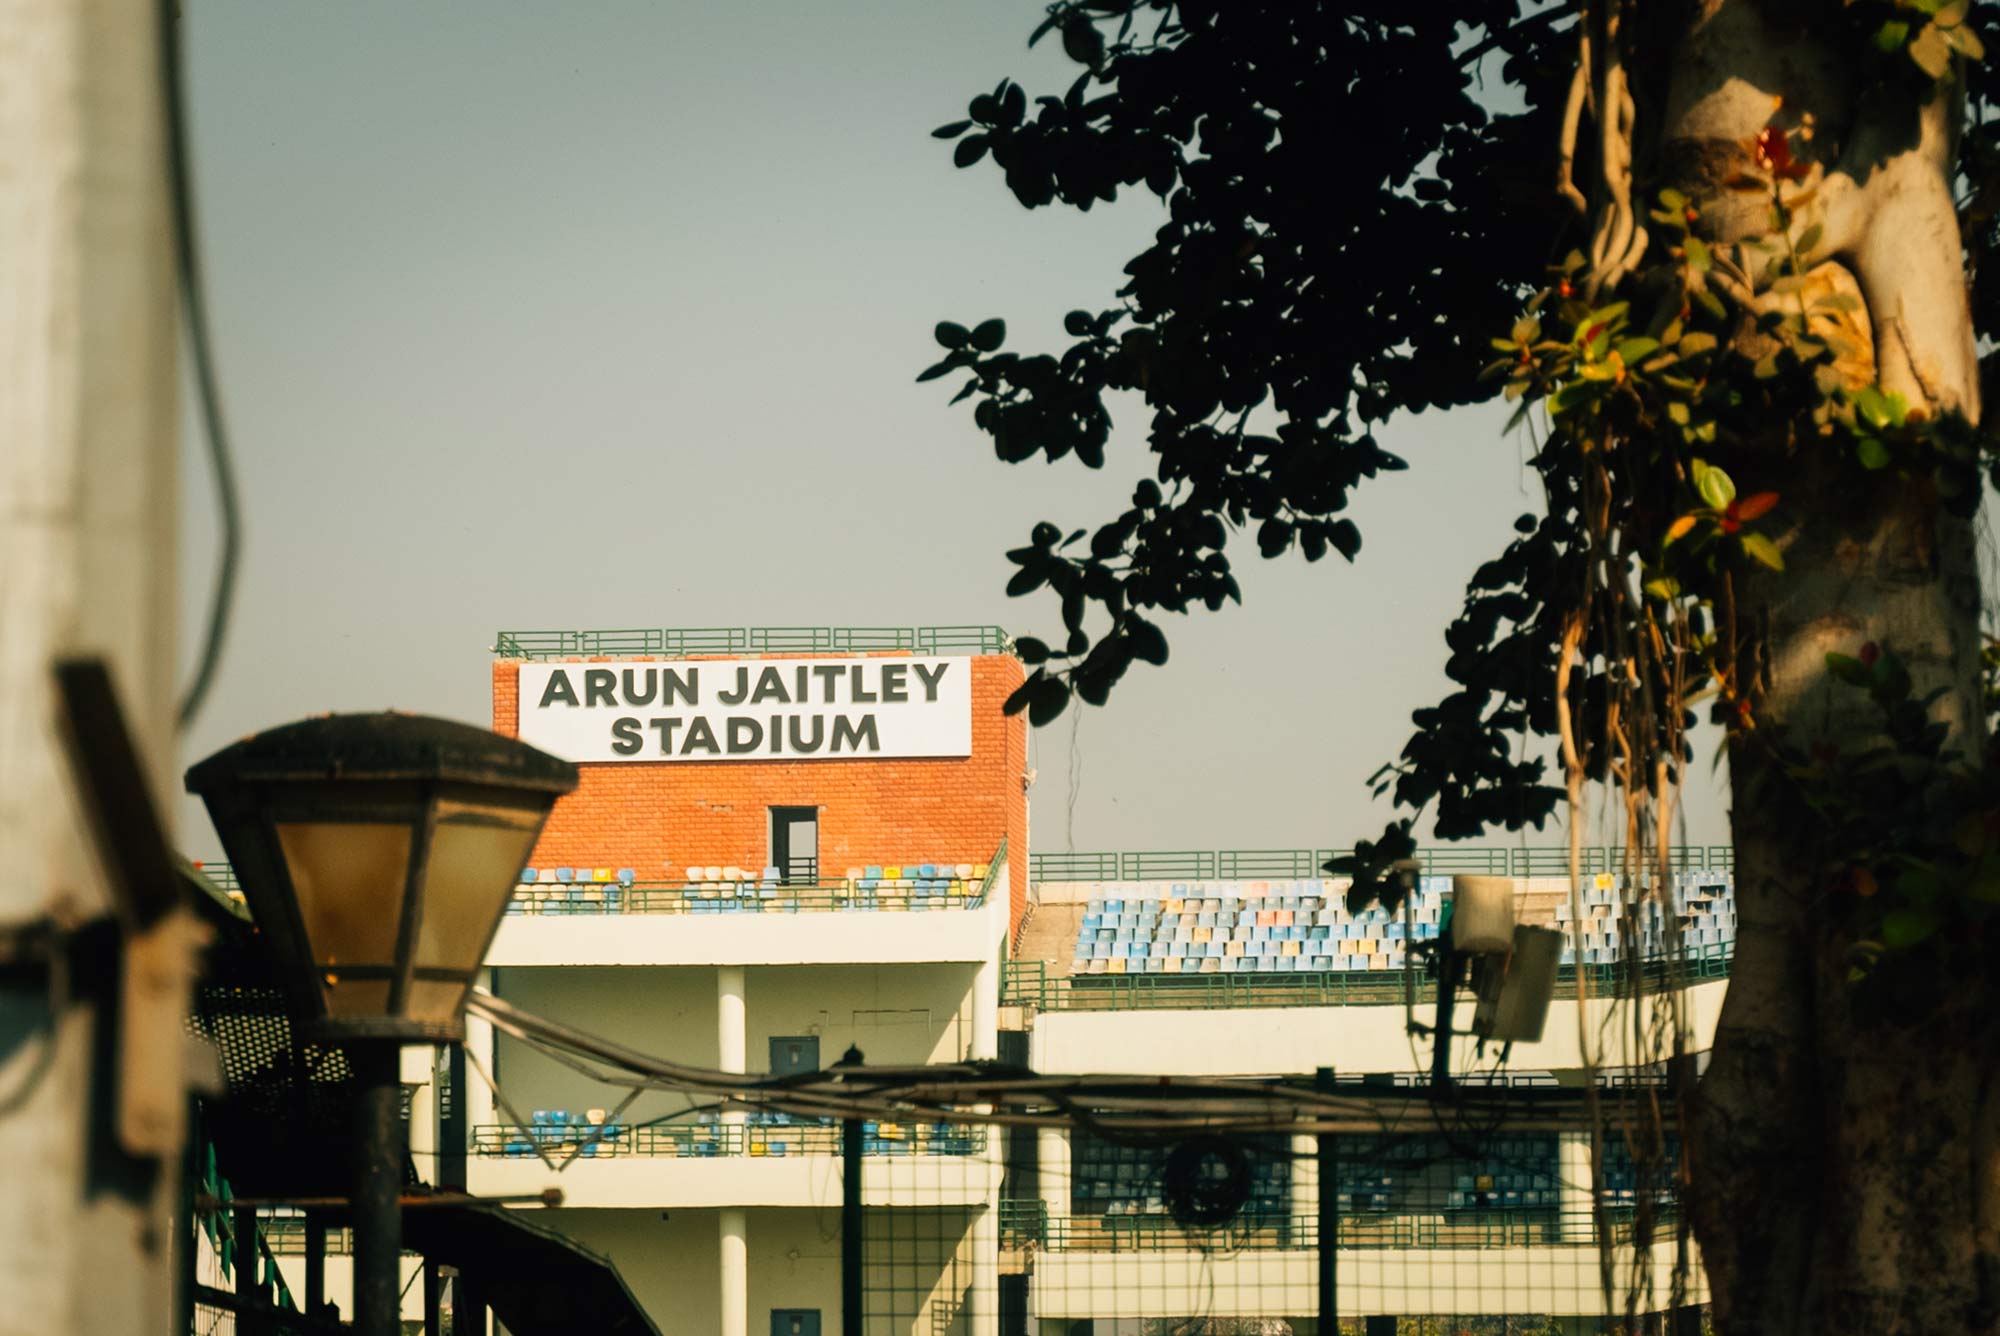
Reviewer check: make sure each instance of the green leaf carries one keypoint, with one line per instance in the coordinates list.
(1848, 669)
(1931, 50)
(1715, 486)
(1874, 407)
(970, 150)
(1763, 551)
(1698, 257)
(1673, 199)
(1148, 644)
(1872, 453)
(989, 335)
(1632, 350)
(951, 335)
(1890, 37)
(1696, 342)
(1809, 239)
(1907, 927)
(1664, 588)
(1677, 412)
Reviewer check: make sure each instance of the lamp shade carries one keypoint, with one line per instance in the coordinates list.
(377, 853)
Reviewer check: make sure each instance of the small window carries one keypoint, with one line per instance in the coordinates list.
(795, 844)
(795, 1322)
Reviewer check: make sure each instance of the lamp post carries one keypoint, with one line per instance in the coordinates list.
(377, 853)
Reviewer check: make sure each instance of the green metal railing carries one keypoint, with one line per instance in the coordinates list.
(1031, 983)
(675, 642)
(1033, 1227)
(1241, 864)
(691, 1141)
(558, 899)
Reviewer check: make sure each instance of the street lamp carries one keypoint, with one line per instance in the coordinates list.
(377, 853)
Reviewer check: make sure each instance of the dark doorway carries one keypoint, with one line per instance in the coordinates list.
(795, 844)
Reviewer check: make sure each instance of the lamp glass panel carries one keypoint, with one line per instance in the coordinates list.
(354, 998)
(436, 1001)
(349, 877)
(477, 852)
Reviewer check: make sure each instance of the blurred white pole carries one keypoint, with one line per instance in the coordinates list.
(88, 511)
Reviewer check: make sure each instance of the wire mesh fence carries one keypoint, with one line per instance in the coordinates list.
(1481, 1232)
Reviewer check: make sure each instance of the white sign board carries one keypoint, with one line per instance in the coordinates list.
(749, 709)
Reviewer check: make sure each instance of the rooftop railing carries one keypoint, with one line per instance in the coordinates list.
(1030, 1227)
(686, 641)
(1244, 864)
(557, 900)
(1031, 983)
(697, 1141)
(761, 895)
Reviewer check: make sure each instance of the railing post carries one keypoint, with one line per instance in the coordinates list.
(850, 1217)
(1329, 1217)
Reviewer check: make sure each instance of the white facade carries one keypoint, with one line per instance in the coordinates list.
(716, 1219)
(717, 1224)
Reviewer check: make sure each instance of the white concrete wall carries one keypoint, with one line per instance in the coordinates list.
(895, 1014)
(884, 936)
(916, 1265)
(1296, 1040)
(1542, 1280)
(746, 1180)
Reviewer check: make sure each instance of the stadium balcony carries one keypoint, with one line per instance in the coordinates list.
(763, 1161)
(929, 910)
(1192, 937)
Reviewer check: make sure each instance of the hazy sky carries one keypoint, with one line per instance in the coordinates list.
(541, 315)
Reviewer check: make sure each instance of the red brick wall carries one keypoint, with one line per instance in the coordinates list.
(658, 817)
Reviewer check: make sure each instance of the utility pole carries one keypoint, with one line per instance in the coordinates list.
(88, 511)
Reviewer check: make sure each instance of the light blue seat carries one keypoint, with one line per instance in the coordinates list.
(626, 876)
(872, 875)
(565, 874)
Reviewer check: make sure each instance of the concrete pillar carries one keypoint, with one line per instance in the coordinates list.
(730, 1030)
(1304, 1202)
(419, 1069)
(479, 1043)
(1573, 1175)
(89, 511)
(985, 1043)
(733, 1234)
(729, 1025)
(1052, 1152)
(985, 1306)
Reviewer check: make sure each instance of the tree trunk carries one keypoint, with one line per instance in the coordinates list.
(1843, 1162)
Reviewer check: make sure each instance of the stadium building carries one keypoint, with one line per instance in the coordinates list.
(792, 844)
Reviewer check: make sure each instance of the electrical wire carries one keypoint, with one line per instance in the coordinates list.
(194, 308)
(1001, 1095)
